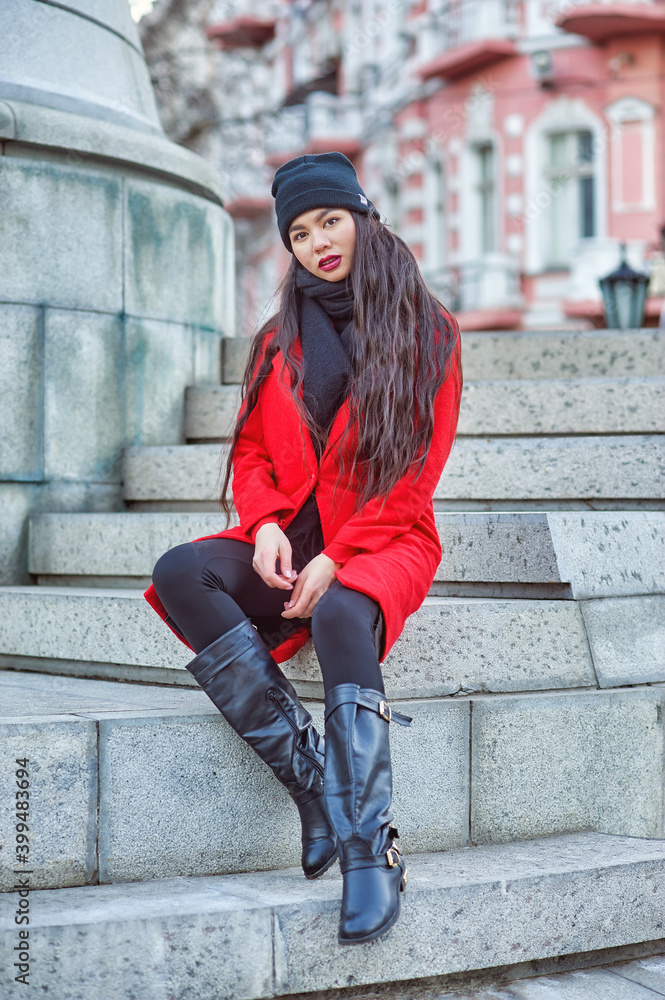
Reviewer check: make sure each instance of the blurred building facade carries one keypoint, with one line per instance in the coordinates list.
(512, 143)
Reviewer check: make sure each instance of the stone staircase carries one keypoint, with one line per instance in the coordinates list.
(529, 790)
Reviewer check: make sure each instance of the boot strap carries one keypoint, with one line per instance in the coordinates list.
(367, 699)
(382, 708)
(390, 858)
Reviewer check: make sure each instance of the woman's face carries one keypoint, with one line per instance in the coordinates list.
(323, 240)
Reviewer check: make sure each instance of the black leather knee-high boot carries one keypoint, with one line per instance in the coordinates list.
(243, 681)
(358, 791)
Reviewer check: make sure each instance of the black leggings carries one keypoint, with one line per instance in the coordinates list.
(208, 587)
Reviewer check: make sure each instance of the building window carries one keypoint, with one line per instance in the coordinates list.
(572, 185)
(393, 202)
(436, 219)
(633, 156)
(486, 196)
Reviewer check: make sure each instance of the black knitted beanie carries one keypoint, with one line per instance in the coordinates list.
(316, 180)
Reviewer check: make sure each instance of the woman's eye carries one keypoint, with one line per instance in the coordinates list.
(333, 219)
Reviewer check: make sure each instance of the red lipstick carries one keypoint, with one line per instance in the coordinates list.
(329, 263)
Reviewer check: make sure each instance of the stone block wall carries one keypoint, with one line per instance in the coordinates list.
(116, 288)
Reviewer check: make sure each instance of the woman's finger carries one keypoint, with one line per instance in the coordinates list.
(265, 565)
(285, 555)
(298, 601)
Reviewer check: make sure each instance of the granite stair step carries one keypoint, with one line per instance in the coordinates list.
(597, 471)
(520, 554)
(529, 354)
(254, 936)
(450, 645)
(499, 406)
(150, 782)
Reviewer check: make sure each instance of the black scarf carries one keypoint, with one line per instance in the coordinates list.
(326, 351)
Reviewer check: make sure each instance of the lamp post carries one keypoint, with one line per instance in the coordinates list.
(624, 295)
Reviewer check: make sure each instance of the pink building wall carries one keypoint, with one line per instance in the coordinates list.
(513, 186)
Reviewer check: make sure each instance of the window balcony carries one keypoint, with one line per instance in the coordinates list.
(485, 294)
(466, 36)
(285, 134)
(333, 123)
(322, 123)
(600, 20)
(242, 32)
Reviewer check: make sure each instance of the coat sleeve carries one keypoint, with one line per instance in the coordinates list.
(255, 495)
(370, 528)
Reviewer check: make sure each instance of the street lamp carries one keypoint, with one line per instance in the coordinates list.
(624, 295)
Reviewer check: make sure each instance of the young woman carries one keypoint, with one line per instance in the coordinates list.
(349, 409)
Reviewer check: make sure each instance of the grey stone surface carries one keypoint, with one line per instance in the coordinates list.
(15, 502)
(160, 364)
(551, 354)
(591, 554)
(235, 352)
(91, 141)
(517, 900)
(563, 354)
(20, 409)
(449, 646)
(649, 972)
(72, 623)
(174, 253)
(507, 406)
(53, 57)
(609, 553)
(563, 762)
(211, 411)
(62, 826)
(259, 935)
(112, 544)
(182, 794)
(557, 406)
(585, 984)
(458, 646)
(112, 14)
(75, 235)
(157, 940)
(627, 639)
(488, 546)
(624, 466)
(208, 352)
(188, 796)
(179, 472)
(24, 695)
(84, 423)
(555, 468)
(18, 499)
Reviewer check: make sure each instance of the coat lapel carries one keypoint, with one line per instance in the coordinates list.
(338, 424)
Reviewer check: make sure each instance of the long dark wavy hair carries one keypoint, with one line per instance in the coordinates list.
(398, 363)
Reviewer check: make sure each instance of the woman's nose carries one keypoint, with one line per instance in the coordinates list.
(320, 242)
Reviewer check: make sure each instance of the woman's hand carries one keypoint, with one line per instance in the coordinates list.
(270, 542)
(312, 583)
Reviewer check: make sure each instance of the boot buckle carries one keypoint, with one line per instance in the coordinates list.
(392, 857)
(385, 711)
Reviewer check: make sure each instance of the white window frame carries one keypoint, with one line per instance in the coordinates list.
(436, 229)
(628, 110)
(564, 114)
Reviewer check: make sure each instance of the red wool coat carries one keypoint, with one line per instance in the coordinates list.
(391, 555)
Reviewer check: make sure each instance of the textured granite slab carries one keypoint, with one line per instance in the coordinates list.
(450, 645)
(261, 935)
(532, 354)
(605, 466)
(557, 762)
